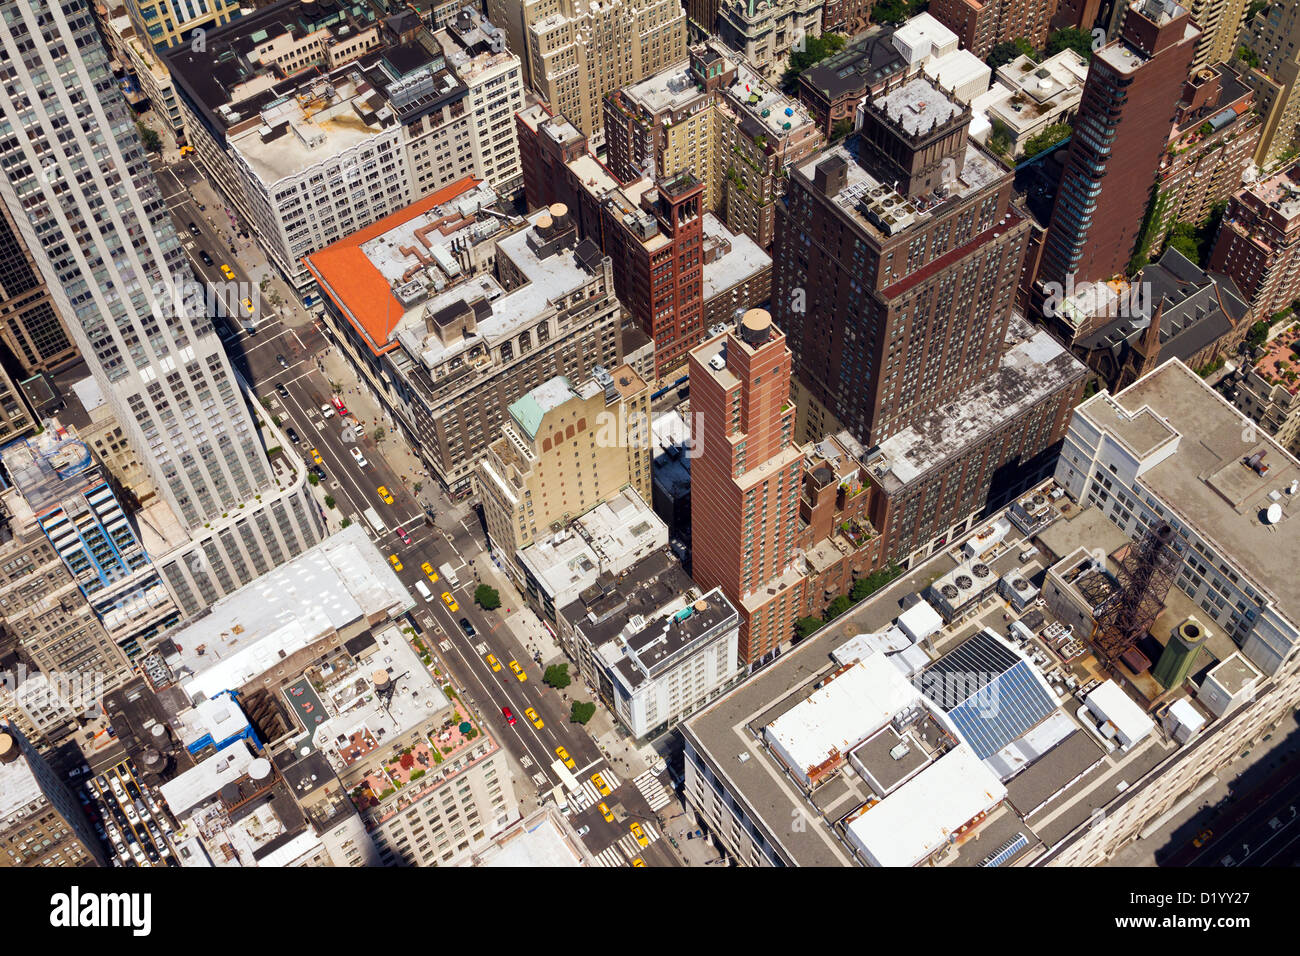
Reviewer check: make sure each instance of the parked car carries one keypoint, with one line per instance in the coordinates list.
(293, 435)
(205, 258)
(281, 391)
(327, 410)
(360, 458)
(319, 472)
(467, 627)
(282, 360)
(193, 228)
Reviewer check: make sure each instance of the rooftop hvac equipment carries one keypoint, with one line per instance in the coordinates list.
(718, 363)
(259, 769)
(980, 570)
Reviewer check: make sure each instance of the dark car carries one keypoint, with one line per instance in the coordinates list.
(282, 360)
(281, 391)
(319, 472)
(194, 230)
(467, 627)
(293, 435)
(205, 258)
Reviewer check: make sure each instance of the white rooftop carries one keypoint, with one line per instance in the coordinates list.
(921, 37)
(341, 580)
(1110, 703)
(18, 786)
(920, 621)
(535, 843)
(844, 712)
(187, 790)
(924, 813)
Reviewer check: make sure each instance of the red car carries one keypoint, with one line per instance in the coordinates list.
(510, 718)
(401, 533)
(342, 409)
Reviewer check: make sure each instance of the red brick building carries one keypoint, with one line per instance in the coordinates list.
(982, 25)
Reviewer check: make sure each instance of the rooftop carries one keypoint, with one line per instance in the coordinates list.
(1033, 368)
(646, 589)
(341, 581)
(644, 650)
(866, 61)
(1192, 445)
(917, 106)
(743, 260)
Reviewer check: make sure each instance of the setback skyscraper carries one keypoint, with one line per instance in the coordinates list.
(78, 185)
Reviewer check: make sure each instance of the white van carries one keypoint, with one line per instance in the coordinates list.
(424, 591)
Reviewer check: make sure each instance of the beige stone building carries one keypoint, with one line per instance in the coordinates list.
(576, 51)
(1271, 37)
(1220, 22)
(564, 450)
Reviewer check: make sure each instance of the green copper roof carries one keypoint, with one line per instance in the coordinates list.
(528, 411)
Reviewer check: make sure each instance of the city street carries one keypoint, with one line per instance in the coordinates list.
(453, 536)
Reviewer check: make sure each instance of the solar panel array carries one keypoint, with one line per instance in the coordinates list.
(988, 692)
(1007, 850)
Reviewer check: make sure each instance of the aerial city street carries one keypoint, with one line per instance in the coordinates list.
(690, 434)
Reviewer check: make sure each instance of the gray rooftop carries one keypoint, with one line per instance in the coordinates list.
(1205, 479)
(917, 106)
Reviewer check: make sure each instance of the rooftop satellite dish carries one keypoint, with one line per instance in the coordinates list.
(1274, 514)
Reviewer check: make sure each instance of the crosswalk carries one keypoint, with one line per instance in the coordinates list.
(654, 792)
(589, 788)
(610, 857)
(629, 845)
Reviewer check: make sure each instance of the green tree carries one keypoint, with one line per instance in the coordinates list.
(312, 478)
(557, 676)
(581, 712)
(487, 597)
(815, 49)
(329, 501)
(1000, 138)
(378, 434)
(1047, 139)
(347, 522)
(152, 141)
(1258, 334)
(1248, 56)
(838, 607)
(1071, 38)
(873, 582)
(841, 129)
(806, 626)
(1003, 53)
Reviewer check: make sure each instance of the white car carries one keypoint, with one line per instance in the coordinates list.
(360, 458)
(138, 854)
(327, 411)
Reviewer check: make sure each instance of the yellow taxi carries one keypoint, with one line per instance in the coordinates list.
(493, 663)
(450, 601)
(186, 150)
(226, 271)
(637, 861)
(427, 568)
(395, 562)
(315, 456)
(637, 832)
(532, 715)
(384, 496)
(565, 758)
(519, 671)
(606, 812)
(248, 304)
(601, 786)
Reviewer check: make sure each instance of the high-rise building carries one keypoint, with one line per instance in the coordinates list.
(982, 24)
(30, 327)
(41, 822)
(169, 24)
(117, 272)
(765, 34)
(1258, 245)
(1220, 23)
(336, 119)
(1121, 130)
(1272, 38)
(577, 51)
(564, 450)
(1215, 133)
(907, 229)
(714, 117)
(745, 480)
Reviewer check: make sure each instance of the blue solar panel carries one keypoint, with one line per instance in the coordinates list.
(1007, 850)
(990, 694)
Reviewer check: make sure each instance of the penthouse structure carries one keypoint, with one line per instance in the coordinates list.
(1028, 97)
(1267, 390)
(714, 117)
(317, 120)
(451, 312)
(1258, 245)
(575, 52)
(765, 34)
(1124, 115)
(564, 450)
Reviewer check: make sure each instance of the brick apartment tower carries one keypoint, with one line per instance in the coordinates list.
(982, 24)
(895, 267)
(1120, 134)
(745, 480)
